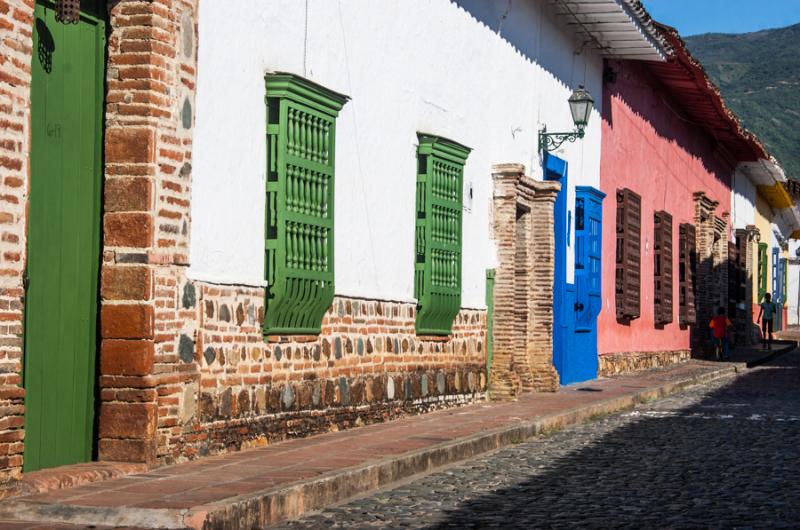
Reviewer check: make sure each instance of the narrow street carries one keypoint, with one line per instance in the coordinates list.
(723, 455)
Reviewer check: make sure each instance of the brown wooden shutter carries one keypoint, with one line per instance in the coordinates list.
(628, 273)
(662, 277)
(688, 262)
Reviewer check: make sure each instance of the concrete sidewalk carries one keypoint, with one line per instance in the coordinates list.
(756, 355)
(254, 488)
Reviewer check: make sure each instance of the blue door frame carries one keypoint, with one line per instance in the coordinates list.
(778, 276)
(576, 305)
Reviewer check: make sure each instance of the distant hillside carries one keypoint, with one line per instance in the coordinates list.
(759, 75)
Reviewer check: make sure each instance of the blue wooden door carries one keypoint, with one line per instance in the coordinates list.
(582, 355)
(563, 293)
(576, 304)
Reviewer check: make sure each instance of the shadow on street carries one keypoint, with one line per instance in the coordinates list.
(730, 460)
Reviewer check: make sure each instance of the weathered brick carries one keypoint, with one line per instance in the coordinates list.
(127, 357)
(135, 451)
(128, 229)
(128, 194)
(126, 283)
(126, 321)
(130, 145)
(127, 420)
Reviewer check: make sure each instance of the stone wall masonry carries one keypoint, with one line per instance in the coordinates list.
(221, 386)
(16, 23)
(611, 364)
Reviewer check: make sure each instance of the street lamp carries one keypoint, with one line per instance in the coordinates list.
(580, 105)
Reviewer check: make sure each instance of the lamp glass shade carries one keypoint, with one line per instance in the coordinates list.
(581, 104)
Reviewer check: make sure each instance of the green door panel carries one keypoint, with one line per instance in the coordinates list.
(63, 238)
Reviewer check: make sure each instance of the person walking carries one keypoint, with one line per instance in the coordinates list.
(768, 310)
(719, 327)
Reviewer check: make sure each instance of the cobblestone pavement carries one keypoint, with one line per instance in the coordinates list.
(724, 455)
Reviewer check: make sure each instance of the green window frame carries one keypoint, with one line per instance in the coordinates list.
(301, 133)
(762, 271)
(437, 268)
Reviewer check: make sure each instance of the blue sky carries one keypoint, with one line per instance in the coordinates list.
(691, 17)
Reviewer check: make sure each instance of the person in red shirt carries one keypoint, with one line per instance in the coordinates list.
(719, 326)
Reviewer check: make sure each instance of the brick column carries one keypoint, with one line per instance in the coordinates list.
(706, 288)
(523, 296)
(540, 327)
(149, 118)
(744, 320)
(16, 23)
(721, 261)
(504, 382)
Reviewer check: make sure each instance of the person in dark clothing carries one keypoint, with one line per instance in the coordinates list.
(768, 310)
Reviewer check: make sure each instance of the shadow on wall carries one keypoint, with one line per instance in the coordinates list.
(634, 87)
(548, 45)
(727, 460)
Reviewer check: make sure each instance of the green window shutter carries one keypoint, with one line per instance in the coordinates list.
(301, 132)
(762, 271)
(437, 272)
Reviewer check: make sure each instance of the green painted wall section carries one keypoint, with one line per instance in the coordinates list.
(437, 269)
(63, 239)
(763, 267)
(301, 133)
(490, 274)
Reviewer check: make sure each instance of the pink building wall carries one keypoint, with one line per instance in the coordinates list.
(649, 147)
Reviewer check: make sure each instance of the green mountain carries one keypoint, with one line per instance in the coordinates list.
(759, 75)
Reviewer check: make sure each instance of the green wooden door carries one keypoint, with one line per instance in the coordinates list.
(63, 238)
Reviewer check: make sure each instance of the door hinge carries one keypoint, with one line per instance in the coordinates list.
(26, 280)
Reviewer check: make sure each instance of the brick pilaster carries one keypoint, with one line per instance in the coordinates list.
(16, 23)
(707, 293)
(149, 119)
(523, 297)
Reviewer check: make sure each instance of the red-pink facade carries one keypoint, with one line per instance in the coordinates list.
(650, 147)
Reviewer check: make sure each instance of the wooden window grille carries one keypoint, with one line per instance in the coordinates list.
(762, 271)
(628, 254)
(662, 270)
(437, 268)
(687, 260)
(301, 132)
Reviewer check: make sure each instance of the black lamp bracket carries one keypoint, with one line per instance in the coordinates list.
(552, 141)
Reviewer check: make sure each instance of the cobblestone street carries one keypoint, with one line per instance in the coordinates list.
(723, 455)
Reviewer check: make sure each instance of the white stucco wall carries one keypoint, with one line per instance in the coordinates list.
(467, 71)
(743, 201)
(793, 287)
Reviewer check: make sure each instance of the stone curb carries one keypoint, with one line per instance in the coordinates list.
(271, 506)
(787, 346)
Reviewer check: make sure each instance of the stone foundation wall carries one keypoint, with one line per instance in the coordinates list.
(223, 386)
(629, 362)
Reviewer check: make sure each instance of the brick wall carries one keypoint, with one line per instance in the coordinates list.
(183, 366)
(149, 118)
(711, 281)
(523, 289)
(16, 22)
(224, 387)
